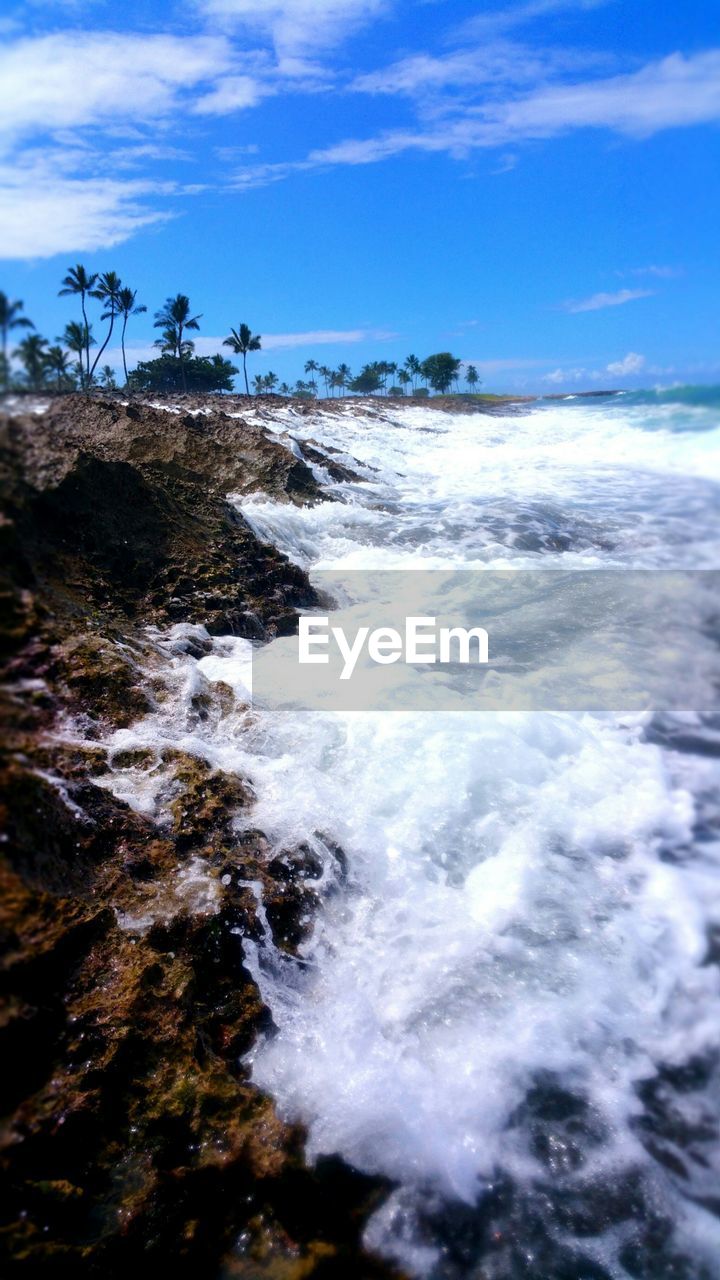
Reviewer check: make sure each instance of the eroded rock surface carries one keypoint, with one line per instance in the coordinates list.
(131, 1136)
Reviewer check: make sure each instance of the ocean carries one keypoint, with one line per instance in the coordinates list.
(508, 1001)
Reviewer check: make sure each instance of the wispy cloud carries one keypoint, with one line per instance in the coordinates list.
(94, 102)
(297, 27)
(472, 71)
(598, 301)
(660, 273)
(325, 337)
(68, 80)
(522, 14)
(44, 211)
(130, 90)
(631, 363)
(208, 346)
(675, 92)
(630, 366)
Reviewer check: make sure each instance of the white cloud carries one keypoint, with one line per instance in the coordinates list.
(673, 93)
(68, 80)
(297, 26)
(233, 93)
(599, 301)
(659, 272)
(632, 363)
(560, 376)
(43, 211)
(521, 15)
(324, 337)
(676, 92)
(473, 70)
(59, 198)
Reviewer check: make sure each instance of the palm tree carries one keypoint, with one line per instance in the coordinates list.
(270, 381)
(169, 345)
(404, 380)
(471, 376)
(32, 354)
(174, 318)
(326, 375)
(78, 339)
(344, 375)
(57, 361)
(107, 378)
(311, 367)
(10, 318)
(126, 306)
(259, 384)
(77, 281)
(241, 341)
(284, 389)
(412, 364)
(107, 292)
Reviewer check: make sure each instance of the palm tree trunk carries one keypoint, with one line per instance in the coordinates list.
(85, 377)
(99, 354)
(247, 385)
(180, 357)
(122, 344)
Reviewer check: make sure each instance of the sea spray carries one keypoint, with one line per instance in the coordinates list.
(509, 1002)
(515, 974)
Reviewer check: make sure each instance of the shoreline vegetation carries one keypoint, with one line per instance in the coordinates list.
(73, 362)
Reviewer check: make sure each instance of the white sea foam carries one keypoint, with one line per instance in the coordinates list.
(524, 896)
(528, 895)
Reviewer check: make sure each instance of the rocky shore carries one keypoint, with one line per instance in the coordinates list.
(131, 1135)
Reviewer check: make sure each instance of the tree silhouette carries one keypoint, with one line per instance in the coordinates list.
(78, 339)
(344, 376)
(174, 318)
(10, 318)
(412, 365)
(127, 307)
(203, 374)
(78, 282)
(241, 341)
(107, 292)
(440, 370)
(57, 361)
(32, 354)
(471, 376)
(368, 380)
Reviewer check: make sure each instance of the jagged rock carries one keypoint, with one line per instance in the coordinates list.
(131, 1135)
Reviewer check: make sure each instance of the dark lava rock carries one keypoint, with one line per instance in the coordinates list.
(131, 1137)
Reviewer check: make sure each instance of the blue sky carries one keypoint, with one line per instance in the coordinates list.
(533, 186)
